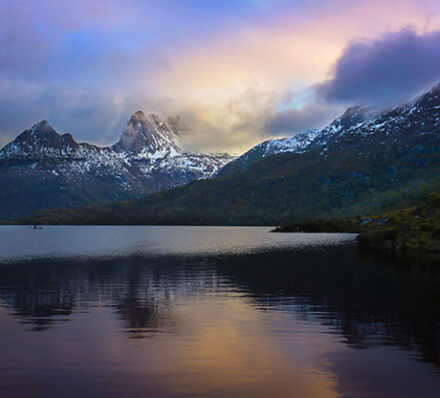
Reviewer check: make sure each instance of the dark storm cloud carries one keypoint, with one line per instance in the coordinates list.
(391, 68)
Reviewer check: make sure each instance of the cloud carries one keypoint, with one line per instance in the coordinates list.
(225, 67)
(291, 121)
(394, 67)
(83, 112)
(233, 123)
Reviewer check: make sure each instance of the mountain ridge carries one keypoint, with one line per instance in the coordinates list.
(300, 142)
(359, 163)
(41, 168)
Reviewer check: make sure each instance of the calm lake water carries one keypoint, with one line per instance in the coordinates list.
(212, 312)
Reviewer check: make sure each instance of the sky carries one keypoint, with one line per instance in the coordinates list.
(236, 71)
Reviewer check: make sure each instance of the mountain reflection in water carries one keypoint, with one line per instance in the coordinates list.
(324, 322)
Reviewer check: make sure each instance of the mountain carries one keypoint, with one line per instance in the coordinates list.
(360, 163)
(148, 136)
(44, 169)
(296, 144)
(299, 143)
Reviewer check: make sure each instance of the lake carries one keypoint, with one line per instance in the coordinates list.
(212, 312)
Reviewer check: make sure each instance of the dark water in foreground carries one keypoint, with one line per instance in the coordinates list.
(211, 312)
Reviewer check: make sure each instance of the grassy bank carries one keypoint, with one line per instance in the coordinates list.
(412, 229)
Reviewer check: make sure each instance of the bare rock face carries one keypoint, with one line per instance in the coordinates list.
(147, 134)
(43, 169)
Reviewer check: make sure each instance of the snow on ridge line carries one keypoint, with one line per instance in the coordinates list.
(357, 121)
(156, 159)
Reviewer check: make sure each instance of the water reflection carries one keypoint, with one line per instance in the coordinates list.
(321, 322)
(365, 298)
(140, 291)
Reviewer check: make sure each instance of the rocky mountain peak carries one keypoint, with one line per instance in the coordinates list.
(147, 134)
(354, 115)
(43, 169)
(39, 137)
(431, 98)
(138, 116)
(41, 126)
(42, 129)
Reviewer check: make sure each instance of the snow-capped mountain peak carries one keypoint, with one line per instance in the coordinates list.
(147, 135)
(39, 140)
(41, 126)
(51, 169)
(43, 134)
(358, 124)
